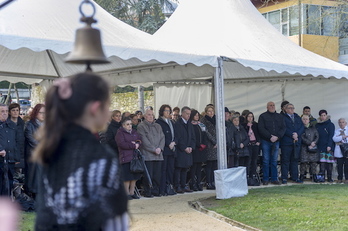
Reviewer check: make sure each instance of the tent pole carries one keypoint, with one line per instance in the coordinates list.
(220, 115)
(141, 98)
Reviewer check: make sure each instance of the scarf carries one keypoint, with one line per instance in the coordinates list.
(211, 119)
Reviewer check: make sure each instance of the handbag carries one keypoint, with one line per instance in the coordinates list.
(326, 157)
(344, 149)
(312, 149)
(137, 163)
(202, 147)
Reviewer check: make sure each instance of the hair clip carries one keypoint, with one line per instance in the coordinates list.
(64, 88)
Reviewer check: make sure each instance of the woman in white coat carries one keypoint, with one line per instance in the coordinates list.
(340, 136)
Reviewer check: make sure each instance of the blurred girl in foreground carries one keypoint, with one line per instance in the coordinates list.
(81, 188)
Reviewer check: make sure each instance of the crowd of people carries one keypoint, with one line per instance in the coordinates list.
(80, 173)
(180, 147)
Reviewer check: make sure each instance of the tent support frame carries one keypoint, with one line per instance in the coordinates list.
(220, 115)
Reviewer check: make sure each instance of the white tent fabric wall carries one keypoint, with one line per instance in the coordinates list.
(196, 96)
(328, 94)
(317, 93)
(252, 96)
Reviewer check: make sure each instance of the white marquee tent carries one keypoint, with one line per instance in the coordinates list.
(203, 38)
(35, 37)
(261, 64)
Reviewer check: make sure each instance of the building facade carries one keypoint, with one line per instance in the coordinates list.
(320, 26)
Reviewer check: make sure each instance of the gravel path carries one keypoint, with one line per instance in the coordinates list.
(172, 213)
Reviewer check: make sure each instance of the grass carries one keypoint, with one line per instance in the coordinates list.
(297, 207)
(27, 221)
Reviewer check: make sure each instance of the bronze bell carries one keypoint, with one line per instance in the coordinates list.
(87, 48)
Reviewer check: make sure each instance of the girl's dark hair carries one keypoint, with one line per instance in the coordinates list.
(62, 111)
(249, 113)
(125, 119)
(36, 111)
(162, 108)
(193, 113)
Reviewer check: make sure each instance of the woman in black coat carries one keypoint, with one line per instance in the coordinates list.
(199, 155)
(241, 140)
(169, 152)
(326, 130)
(32, 171)
(112, 130)
(209, 121)
(251, 127)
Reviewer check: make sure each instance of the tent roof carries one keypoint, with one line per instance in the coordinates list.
(236, 30)
(35, 36)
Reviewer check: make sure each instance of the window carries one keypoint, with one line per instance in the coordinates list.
(294, 20)
(329, 15)
(312, 19)
(285, 21)
(274, 19)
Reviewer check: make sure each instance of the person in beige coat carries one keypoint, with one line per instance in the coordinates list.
(152, 147)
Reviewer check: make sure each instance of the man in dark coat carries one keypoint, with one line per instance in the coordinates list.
(271, 129)
(9, 149)
(291, 144)
(185, 144)
(167, 125)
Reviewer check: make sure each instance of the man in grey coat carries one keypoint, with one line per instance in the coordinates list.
(152, 147)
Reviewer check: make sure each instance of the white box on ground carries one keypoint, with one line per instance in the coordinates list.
(231, 182)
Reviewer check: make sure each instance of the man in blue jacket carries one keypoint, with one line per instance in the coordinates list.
(291, 144)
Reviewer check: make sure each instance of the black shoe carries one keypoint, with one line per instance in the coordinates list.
(135, 196)
(179, 190)
(284, 181)
(200, 187)
(148, 195)
(171, 193)
(130, 197)
(210, 187)
(276, 182)
(157, 194)
(170, 190)
(330, 180)
(265, 183)
(187, 189)
(195, 187)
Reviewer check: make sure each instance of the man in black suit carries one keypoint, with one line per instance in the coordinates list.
(185, 144)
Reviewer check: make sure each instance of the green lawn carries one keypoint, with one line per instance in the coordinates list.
(27, 222)
(297, 207)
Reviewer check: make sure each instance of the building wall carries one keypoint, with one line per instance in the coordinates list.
(327, 46)
(284, 4)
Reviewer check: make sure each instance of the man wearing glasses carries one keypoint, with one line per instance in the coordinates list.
(291, 144)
